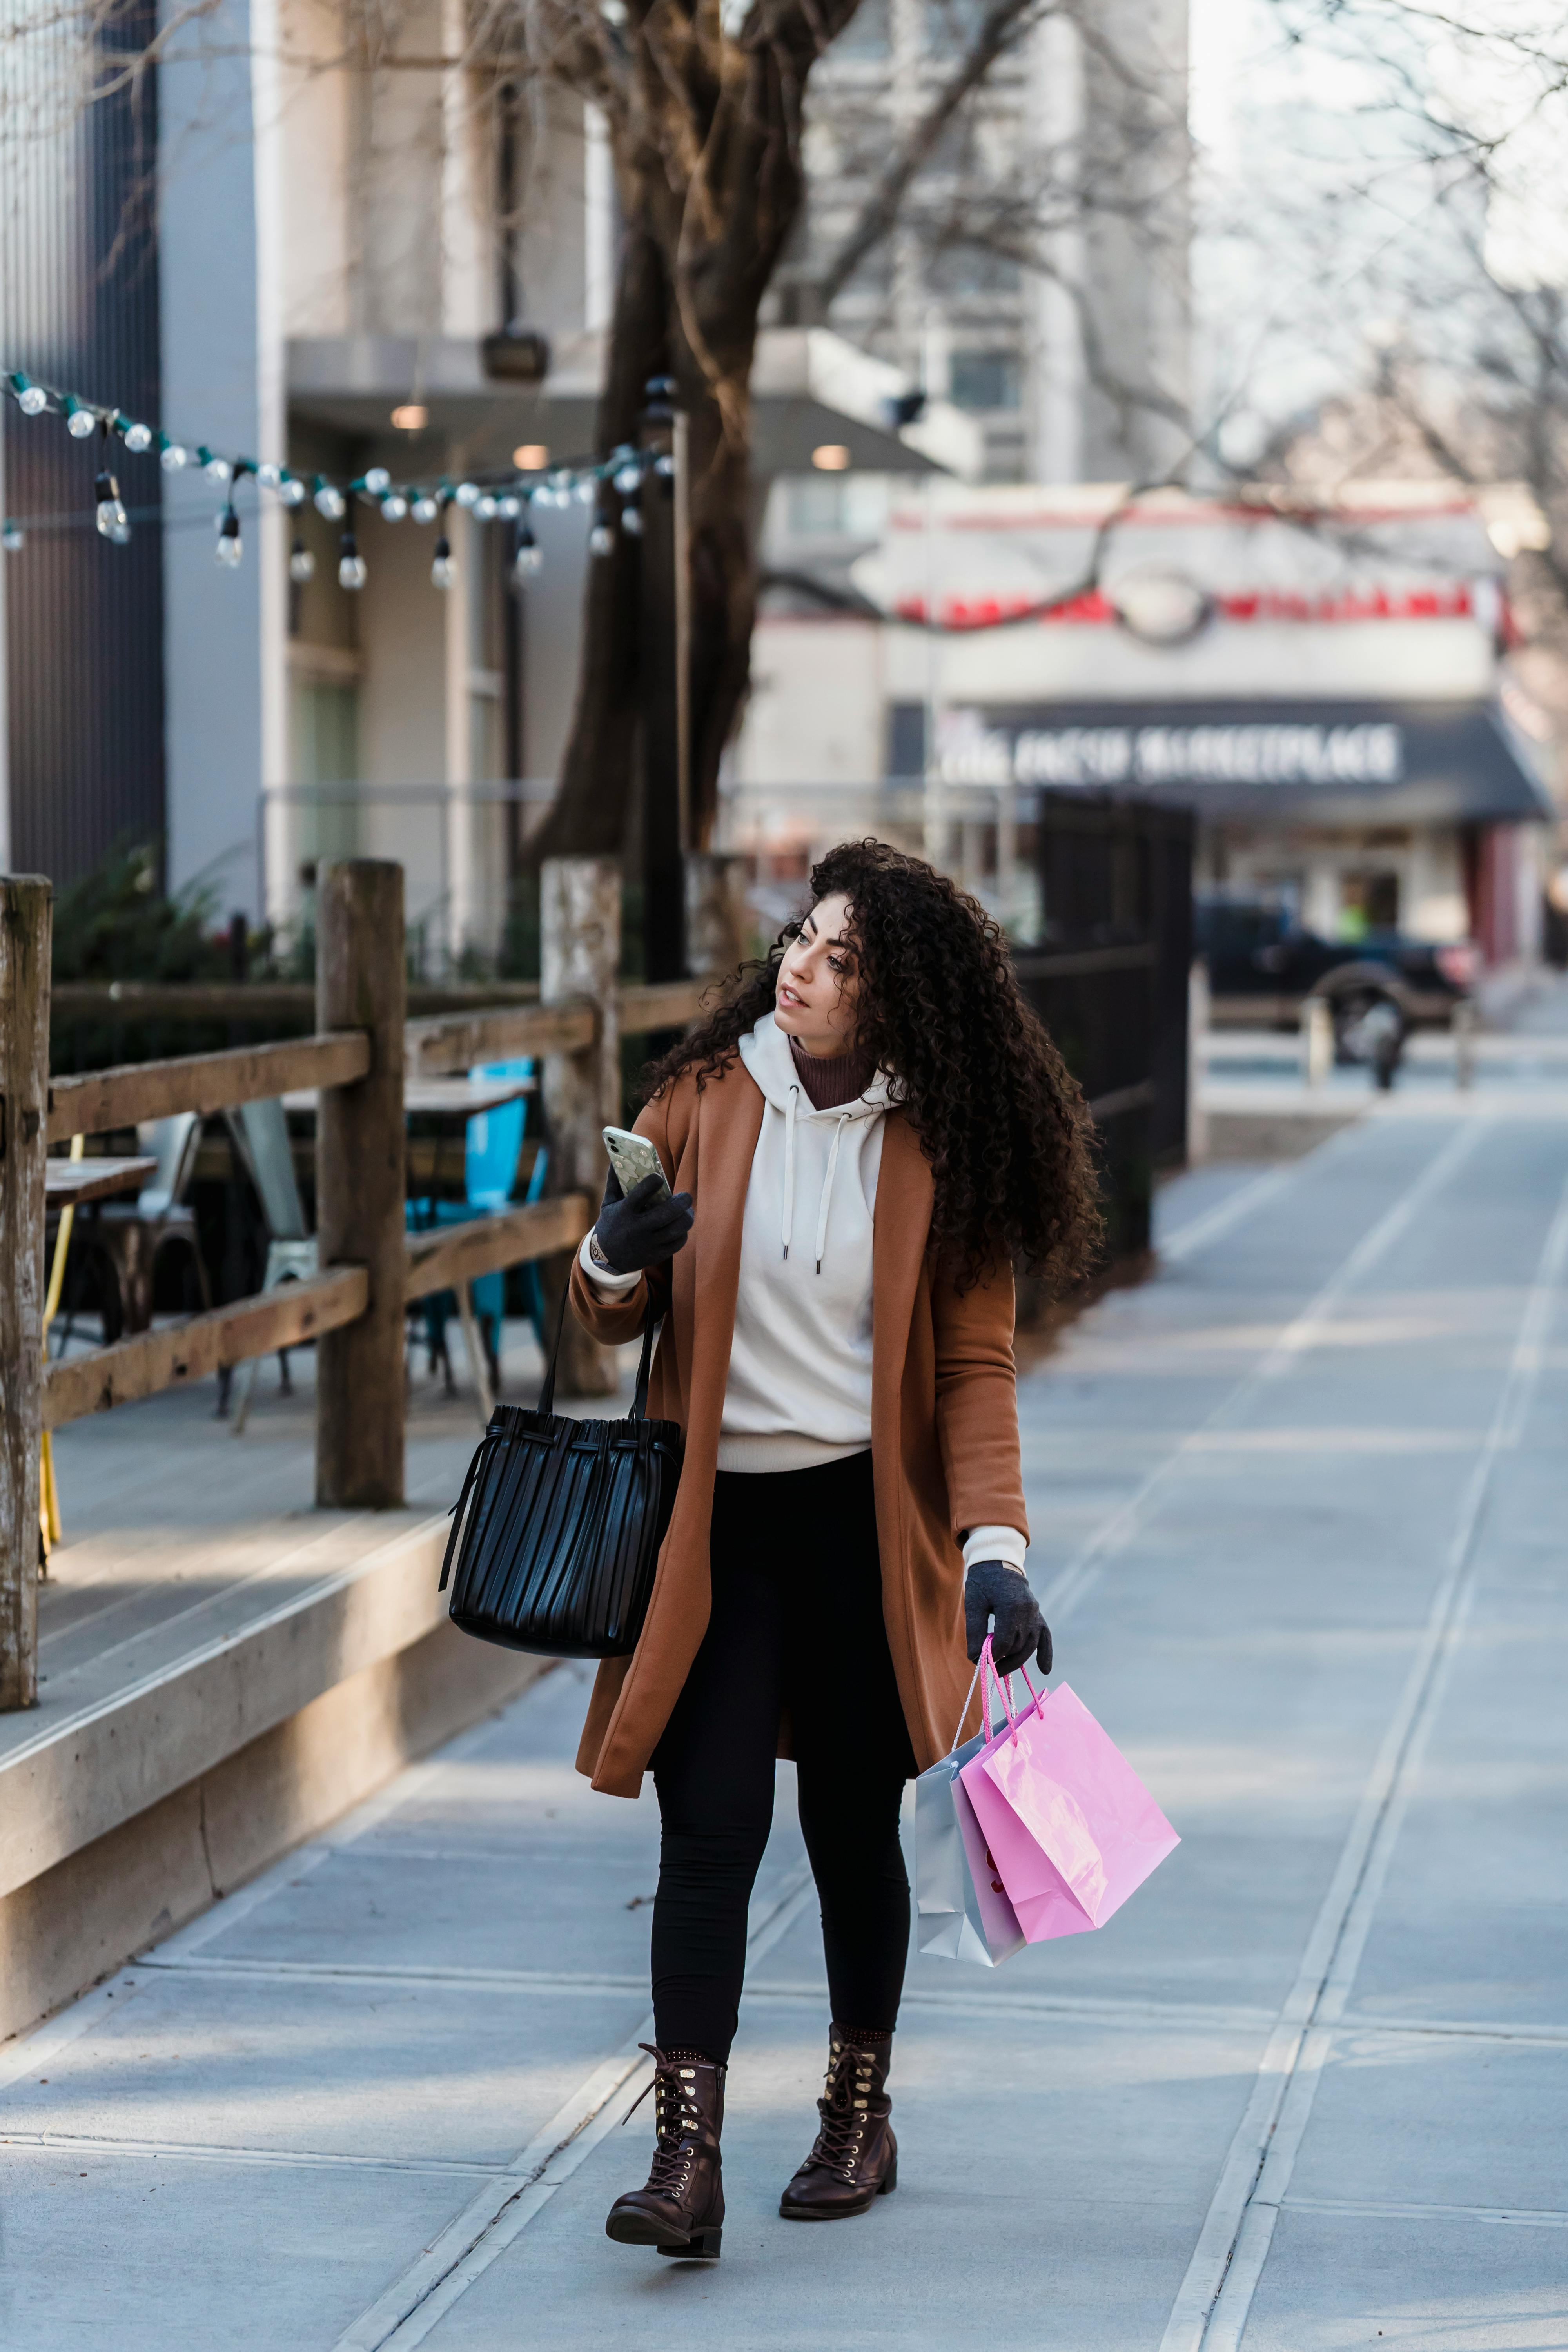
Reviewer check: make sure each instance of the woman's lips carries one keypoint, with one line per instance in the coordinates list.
(788, 996)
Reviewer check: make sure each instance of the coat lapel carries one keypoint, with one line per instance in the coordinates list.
(900, 1227)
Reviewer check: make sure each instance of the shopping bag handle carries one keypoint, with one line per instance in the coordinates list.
(1036, 1698)
(987, 1659)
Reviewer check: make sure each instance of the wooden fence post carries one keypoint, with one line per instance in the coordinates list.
(26, 917)
(359, 1166)
(717, 921)
(580, 955)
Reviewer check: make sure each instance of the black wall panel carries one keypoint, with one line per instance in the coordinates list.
(79, 308)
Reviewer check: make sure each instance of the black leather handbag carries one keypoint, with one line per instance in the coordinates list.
(555, 1536)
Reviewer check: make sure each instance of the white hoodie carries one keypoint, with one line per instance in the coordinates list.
(799, 1385)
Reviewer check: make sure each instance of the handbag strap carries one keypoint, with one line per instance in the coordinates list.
(482, 1452)
(640, 1402)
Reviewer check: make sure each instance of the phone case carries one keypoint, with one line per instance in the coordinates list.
(628, 1173)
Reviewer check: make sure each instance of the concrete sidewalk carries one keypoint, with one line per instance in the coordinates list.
(1298, 1509)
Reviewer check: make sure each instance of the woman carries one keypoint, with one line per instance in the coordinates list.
(860, 1142)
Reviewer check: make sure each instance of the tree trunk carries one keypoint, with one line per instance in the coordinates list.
(707, 140)
(647, 339)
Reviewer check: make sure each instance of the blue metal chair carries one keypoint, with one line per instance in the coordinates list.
(492, 1145)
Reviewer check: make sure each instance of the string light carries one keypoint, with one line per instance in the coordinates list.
(352, 569)
(110, 515)
(626, 471)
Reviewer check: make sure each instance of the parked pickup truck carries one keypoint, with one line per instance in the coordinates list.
(1262, 967)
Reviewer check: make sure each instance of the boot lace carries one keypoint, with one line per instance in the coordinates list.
(845, 2110)
(678, 2121)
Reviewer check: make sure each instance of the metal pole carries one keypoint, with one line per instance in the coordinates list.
(681, 452)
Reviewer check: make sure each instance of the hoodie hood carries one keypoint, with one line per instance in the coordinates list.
(766, 1054)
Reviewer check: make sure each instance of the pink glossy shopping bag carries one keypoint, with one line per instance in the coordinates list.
(1071, 1826)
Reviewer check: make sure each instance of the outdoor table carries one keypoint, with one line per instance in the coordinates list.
(438, 1098)
(68, 1182)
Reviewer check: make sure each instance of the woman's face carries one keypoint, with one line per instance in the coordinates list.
(815, 996)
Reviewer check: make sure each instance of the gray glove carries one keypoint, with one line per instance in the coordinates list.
(993, 1591)
(645, 1227)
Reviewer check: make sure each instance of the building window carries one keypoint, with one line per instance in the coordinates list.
(867, 32)
(816, 507)
(986, 380)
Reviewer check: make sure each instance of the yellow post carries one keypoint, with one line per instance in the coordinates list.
(48, 1493)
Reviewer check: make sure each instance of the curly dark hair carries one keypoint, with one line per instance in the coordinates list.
(999, 1117)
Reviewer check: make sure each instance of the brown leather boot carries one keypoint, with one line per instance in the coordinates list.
(854, 2157)
(681, 2209)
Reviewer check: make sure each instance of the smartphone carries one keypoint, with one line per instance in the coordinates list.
(632, 1157)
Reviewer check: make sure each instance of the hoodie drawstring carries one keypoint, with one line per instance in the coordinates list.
(789, 1170)
(827, 1190)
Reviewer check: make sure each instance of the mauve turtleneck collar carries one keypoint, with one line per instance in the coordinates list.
(832, 1079)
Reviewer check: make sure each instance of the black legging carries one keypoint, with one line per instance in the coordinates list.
(796, 1629)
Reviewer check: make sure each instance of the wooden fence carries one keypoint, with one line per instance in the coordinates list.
(371, 1267)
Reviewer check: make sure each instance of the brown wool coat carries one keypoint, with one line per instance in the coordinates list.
(945, 1422)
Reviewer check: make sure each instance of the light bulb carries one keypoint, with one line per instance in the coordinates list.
(587, 491)
(13, 538)
(138, 437)
(301, 563)
(32, 400)
(216, 469)
(466, 494)
(425, 510)
(269, 477)
(393, 509)
(508, 506)
(631, 521)
(353, 570)
(601, 539)
(665, 465)
(377, 481)
(485, 508)
(560, 482)
(629, 481)
(330, 502)
(229, 549)
(173, 459)
(81, 422)
(110, 516)
(443, 571)
(291, 491)
(529, 556)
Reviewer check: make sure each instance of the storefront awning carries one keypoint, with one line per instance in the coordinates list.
(1314, 762)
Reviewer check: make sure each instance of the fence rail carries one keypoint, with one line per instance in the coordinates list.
(101, 1100)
